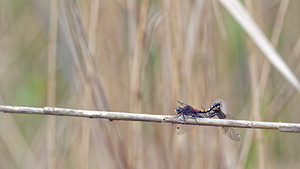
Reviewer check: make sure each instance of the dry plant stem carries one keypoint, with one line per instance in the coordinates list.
(135, 85)
(244, 19)
(274, 40)
(87, 92)
(283, 127)
(51, 88)
(86, 61)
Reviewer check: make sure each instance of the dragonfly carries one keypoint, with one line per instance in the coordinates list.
(228, 131)
(186, 110)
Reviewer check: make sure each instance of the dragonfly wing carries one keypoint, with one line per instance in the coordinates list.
(229, 116)
(181, 103)
(181, 129)
(232, 133)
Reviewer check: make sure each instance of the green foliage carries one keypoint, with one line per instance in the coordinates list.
(32, 92)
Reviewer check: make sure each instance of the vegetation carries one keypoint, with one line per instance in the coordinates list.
(140, 57)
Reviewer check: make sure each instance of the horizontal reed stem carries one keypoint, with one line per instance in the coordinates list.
(283, 127)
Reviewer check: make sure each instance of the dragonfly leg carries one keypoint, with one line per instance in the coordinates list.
(178, 115)
(198, 115)
(195, 120)
(212, 115)
(183, 117)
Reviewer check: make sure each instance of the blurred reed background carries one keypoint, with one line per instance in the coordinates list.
(140, 56)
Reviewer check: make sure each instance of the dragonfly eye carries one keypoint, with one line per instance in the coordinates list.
(218, 105)
(178, 109)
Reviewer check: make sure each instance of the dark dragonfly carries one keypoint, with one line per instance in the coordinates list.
(216, 110)
(186, 110)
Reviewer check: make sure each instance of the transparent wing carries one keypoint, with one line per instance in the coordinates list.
(181, 129)
(232, 133)
(181, 103)
(229, 116)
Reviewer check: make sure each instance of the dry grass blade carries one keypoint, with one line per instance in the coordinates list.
(274, 40)
(51, 88)
(244, 19)
(85, 59)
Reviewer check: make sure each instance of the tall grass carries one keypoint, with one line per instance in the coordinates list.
(140, 56)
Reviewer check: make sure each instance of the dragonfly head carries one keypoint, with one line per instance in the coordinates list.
(217, 105)
(178, 110)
